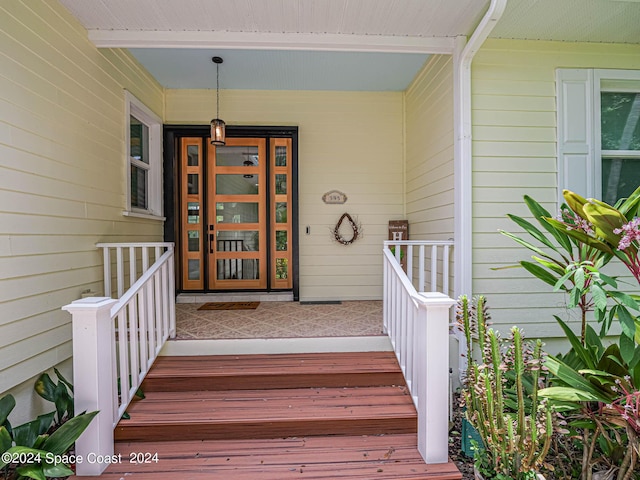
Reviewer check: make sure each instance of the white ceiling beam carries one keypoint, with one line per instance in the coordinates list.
(270, 41)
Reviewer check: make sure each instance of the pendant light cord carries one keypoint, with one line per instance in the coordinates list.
(217, 90)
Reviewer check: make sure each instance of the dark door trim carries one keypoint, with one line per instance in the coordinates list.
(172, 134)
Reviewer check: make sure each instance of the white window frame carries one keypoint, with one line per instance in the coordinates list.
(134, 107)
(580, 128)
(600, 77)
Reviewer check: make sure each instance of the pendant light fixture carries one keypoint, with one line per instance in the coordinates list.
(217, 125)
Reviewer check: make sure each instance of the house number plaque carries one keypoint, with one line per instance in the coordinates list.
(334, 197)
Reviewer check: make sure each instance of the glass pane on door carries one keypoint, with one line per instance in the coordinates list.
(237, 156)
(237, 214)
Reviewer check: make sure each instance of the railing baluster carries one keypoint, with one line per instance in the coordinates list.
(434, 268)
(421, 270)
(120, 271)
(445, 270)
(134, 351)
(145, 259)
(123, 365)
(165, 298)
(157, 294)
(151, 322)
(132, 266)
(172, 297)
(409, 262)
(106, 257)
(144, 330)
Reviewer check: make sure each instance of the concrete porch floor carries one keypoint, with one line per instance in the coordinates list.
(280, 320)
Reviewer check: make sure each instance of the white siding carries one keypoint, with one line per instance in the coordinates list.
(62, 176)
(514, 153)
(429, 151)
(348, 141)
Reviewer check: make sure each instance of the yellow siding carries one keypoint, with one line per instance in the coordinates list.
(429, 151)
(348, 141)
(62, 176)
(514, 153)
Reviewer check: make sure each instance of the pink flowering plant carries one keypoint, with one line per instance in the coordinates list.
(614, 231)
(628, 245)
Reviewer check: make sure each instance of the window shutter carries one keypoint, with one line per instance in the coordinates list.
(576, 162)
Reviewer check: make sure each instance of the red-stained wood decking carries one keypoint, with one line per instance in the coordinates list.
(250, 372)
(383, 457)
(260, 417)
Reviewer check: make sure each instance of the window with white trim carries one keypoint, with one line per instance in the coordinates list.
(144, 160)
(599, 132)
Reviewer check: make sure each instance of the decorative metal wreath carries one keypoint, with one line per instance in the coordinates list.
(354, 226)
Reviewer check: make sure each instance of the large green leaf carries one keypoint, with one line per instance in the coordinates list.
(64, 380)
(7, 404)
(573, 379)
(62, 439)
(628, 349)
(541, 214)
(605, 220)
(532, 230)
(611, 362)
(568, 394)
(587, 360)
(45, 387)
(62, 400)
(528, 245)
(32, 470)
(629, 207)
(582, 237)
(539, 272)
(627, 322)
(625, 299)
(5, 440)
(55, 470)
(599, 297)
(575, 202)
(18, 450)
(554, 267)
(26, 435)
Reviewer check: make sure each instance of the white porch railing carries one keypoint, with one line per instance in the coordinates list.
(424, 259)
(115, 342)
(418, 327)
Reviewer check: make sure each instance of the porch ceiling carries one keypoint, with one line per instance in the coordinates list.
(327, 44)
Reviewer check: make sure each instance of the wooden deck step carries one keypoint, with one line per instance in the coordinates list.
(273, 413)
(236, 372)
(348, 458)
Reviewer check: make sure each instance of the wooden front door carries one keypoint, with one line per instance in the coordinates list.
(237, 215)
(237, 231)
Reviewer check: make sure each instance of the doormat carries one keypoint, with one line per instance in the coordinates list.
(322, 302)
(229, 306)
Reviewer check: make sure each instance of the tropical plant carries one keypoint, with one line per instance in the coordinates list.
(558, 254)
(594, 387)
(30, 450)
(613, 230)
(60, 394)
(515, 425)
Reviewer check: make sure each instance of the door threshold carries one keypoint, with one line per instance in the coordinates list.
(235, 297)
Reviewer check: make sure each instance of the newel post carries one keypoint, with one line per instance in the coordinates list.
(93, 379)
(433, 386)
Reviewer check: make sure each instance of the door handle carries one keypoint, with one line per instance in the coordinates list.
(211, 239)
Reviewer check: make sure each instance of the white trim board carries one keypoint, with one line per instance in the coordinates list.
(270, 41)
(276, 345)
